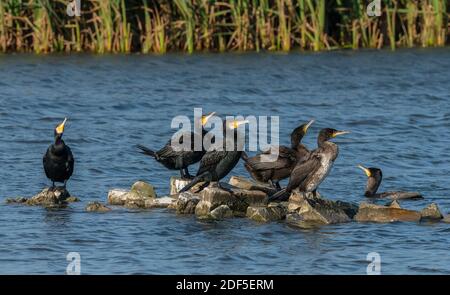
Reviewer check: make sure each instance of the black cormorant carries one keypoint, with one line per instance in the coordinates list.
(281, 168)
(374, 178)
(309, 174)
(180, 160)
(58, 160)
(216, 164)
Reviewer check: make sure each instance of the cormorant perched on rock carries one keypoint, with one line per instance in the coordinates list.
(216, 164)
(58, 160)
(180, 160)
(374, 178)
(309, 174)
(281, 168)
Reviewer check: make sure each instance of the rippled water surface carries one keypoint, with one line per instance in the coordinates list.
(397, 106)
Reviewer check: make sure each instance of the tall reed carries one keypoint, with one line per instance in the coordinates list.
(158, 26)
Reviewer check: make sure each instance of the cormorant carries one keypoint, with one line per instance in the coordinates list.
(309, 174)
(374, 178)
(179, 159)
(216, 164)
(58, 160)
(281, 168)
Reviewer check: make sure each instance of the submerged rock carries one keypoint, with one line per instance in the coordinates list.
(378, 213)
(221, 212)
(431, 212)
(247, 184)
(446, 218)
(72, 199)
(272, 212)
(97, 207)
(16, 200)
(306, 209)
(186, 203)
(50, 197)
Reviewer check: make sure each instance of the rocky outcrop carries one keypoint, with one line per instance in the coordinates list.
(307, 209)
(221, 212)
(141, 195)
(177, 183)
(446, 218)
(97, 207)
(431, 212)
(50, 197)
(235, 198)
(272, 212)
(16, 200)
(186, 203)
(377, 213)
(247, 184)
(162, 202)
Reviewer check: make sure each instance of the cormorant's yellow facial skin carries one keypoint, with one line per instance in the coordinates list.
(367, 171)
(60, 127)
(305, 129)
(337, 133)
(206, 118)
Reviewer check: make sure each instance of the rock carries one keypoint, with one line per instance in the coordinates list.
(315, 210)
(446, 218)
(247, 184)
(17, 200)
(56, 197)
(97, 207)
(221, 212)
(163, 202)
(394, 204)
(431, 212)
(143, 190)
(377, 213)
(141, 195)
(177, 183)
(72, 199)
(297, 220)
(213, 197)
(273, 212)
(117, 197)
(186, 203)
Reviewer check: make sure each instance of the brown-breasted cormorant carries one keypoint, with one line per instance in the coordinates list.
(309, 174)
(180, 160)
(58, 160)
(216, 164)
(374, 178)
(281, 168)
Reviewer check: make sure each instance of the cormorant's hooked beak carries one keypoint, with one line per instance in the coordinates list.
(305, 129)
(206, 118)
(60, 128)
(236, 123)
(340, 133)
(367, 171)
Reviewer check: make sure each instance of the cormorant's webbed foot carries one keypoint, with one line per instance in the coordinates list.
(187, 175)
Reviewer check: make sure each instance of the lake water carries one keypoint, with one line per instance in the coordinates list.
(397, 106)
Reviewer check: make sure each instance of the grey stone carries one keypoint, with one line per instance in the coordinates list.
(16, 200)
(117, 197)
(316, 210)
(50, 197)
(186, 203)
(431, 212)
(446, 218)
(141, 195)
(143, 190)
(221, 212)
(177, 183)
(377, 213)
(272, 212)
(247, 184)
(162, 202)
(97, 207)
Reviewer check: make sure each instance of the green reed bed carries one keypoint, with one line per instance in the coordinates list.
(157, 26)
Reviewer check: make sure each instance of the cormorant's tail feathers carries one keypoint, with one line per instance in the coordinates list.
(146, 151)
(280, 196)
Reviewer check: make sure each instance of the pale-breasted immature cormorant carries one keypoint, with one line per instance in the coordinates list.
(309, 174)
(288, 157)
(374, 178)
(180, 160)
(216, 164)
(58, 160)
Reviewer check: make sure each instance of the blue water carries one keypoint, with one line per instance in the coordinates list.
(397, 106)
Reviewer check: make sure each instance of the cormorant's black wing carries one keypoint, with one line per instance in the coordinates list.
(70, 161)
(303, 170)
(286, 158)
(210, 161)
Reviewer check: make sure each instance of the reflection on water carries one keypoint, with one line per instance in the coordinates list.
(395, 104)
